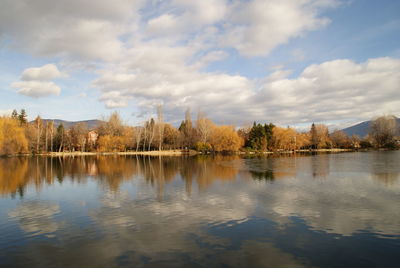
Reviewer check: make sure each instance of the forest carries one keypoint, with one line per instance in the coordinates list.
(18, 136)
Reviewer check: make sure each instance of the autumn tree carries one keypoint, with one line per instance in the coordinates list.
(38, 124)
(284, 139)
(319, 136)
(160, 126)
(186, 130)
(340, 139)
(204, 128)
(12, 137)
(383, 130)
(59, 138)
(78, 135)
(225, 138)
(171, 137)
(303, 140)
(138, 136)
(151, 132)
(112, 126)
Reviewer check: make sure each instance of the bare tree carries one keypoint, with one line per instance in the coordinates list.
(138, 137)
(160, 126)
(51, 135)
(151, 130)
(340, 139)
(38, 125)
(383, 130)
(46, 136)
(204, 127)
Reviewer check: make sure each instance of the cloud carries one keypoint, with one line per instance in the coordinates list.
(255, 28)
(100, 30)
(36, 89)
(147, 52)
(73, 29)
(332, 90)
(37, 217)
(35, 81)
(5, 112)
(44, 73)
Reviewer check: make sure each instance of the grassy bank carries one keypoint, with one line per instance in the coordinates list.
(152, 153)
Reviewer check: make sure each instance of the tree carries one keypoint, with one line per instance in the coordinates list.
(186, 129)
(51, 126)
(171, 136)
(225, 138)
(22, 117)
(284, 139)
(60, 137)
(112, 126)
(150, 126)
(78, 135)
(383, 130)
(314, 137)
(38, 127)
(138, 137)
(319, 136)
(160, 126)
(14, 114)
(12, 137)
(204, 127)
(259, 136)
(340, 139)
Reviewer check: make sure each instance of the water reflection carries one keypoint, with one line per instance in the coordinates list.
(36, 217)
(204, 211)
(18, 173)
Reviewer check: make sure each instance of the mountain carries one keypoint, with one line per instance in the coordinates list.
(67, 124)
(361, 129)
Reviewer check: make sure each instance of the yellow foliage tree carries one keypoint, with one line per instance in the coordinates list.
(225, 138)
(12, 137)
(284, 139)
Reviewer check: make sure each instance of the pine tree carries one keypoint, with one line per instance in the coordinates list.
(14, 114)
(314, 136)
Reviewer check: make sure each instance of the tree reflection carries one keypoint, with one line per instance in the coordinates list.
(111, 171)
(383, 169)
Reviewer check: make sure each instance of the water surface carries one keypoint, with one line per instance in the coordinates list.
(327, 210)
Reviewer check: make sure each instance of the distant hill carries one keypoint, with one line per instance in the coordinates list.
(67, 124)
(361, 129)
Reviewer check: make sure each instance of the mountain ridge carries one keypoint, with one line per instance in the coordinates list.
(91, 123)
(361, 129)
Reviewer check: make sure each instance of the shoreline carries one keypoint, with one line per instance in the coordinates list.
(185, 153)
(151, 153)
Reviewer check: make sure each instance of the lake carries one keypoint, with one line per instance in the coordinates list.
(323, 210)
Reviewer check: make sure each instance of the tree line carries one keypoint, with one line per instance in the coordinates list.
(17, 135)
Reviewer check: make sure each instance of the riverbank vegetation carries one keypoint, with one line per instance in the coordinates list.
(18, 136)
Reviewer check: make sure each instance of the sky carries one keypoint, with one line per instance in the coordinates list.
(290, 62)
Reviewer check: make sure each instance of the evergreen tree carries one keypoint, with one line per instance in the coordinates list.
(259, 136)
(22, 117)
(14, 114)
(314, 136)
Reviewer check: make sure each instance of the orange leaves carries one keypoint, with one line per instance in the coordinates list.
(12, 137)
(225, 138)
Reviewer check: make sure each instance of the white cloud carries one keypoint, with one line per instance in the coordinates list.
(332, 90)
(36, 81)
(44, 73)
(158, 52)
(88, 30)
(36, 89)
(255, 28)
(5, 112)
